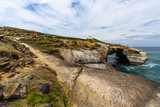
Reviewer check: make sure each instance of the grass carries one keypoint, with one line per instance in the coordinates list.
(45, 46)
(49, 41)
(8, 48)
(98, 41)
(56, 96)
(52, 45)
(36, 98)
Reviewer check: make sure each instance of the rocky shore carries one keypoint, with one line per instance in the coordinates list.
(64, 72)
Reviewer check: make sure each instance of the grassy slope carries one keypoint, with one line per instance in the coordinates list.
(56, 96)
(49, 43)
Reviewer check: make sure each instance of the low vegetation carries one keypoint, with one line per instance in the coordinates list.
(51, 44)
(56, 95)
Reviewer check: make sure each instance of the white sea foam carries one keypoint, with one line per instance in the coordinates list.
(149, 65)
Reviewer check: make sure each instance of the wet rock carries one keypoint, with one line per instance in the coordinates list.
(1, 97)
(8, 75)
(44, 88)
(14, 55)
(18, 92)
(47, 105)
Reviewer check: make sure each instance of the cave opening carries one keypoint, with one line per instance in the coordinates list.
(117, 57)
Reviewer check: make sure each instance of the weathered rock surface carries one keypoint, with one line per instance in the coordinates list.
(81, 56)
(137, 56)
(109, 88)
(88, 58)
(18, 92)
(47, 105)
(129, 55)
(101, 66)
(44, 88)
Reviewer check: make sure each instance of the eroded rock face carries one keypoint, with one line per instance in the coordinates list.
(130, 55)
(88, 58)
(109, 88)
(137, 56)
(18, 92)
(81, 56)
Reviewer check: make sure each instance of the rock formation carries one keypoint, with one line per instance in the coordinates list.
(129, 55)
(80, 66)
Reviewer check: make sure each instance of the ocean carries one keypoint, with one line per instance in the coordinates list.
(150, 70)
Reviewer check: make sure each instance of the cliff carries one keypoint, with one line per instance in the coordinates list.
(81, 68)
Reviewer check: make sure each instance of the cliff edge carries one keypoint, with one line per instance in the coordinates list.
(81, 67)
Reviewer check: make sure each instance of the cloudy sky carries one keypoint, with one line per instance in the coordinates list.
(128, 22)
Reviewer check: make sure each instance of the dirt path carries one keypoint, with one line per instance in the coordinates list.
(65, 74)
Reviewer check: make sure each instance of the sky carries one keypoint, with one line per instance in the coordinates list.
(127, 22)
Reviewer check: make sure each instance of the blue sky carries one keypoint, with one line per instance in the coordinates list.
(127, 22)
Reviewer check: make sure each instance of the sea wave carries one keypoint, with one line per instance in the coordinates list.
(150, 65)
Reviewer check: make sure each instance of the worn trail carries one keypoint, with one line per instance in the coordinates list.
(65, 74)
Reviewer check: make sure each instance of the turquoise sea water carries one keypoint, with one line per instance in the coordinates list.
(151, 69)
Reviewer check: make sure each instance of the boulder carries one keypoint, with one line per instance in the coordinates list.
(18, 92)
(44, 88)
(14, 55)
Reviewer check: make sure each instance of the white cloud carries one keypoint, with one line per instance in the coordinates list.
(102, 19)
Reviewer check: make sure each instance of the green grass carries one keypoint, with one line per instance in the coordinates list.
(49, 39)
(45, 46)
(56, 96)
(35, 98)
(24, 31)
(20, 32)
